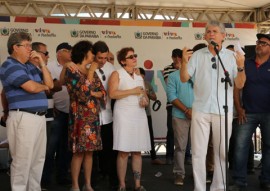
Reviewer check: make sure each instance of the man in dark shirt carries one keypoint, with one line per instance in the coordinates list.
(256, 112)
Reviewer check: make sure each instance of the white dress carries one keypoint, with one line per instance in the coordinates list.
(130, 127)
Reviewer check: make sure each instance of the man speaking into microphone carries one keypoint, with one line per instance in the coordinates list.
(204, 68)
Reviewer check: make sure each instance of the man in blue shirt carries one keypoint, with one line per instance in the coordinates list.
(255, 112)
(181, 96)
(27, 103)
(209, 98)
(176, 57)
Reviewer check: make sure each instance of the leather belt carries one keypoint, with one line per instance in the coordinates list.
(40, 113)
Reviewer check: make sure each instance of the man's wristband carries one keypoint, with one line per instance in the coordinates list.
(186, 110)
(240, 69)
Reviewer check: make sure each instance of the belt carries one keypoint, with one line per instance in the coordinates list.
(40, 113)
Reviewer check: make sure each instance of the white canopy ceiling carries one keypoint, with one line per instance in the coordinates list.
(250, 4)
(257, 11)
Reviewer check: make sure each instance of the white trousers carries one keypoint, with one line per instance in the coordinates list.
(27, 143)
(200, 129)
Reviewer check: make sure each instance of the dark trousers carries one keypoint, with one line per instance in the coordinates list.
(105, 160)
(170, 136)
(250, 164)
(57, 148)
(150, 126)
(107, 155)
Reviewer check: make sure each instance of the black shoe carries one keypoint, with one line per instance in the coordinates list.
(251, 171)
(188, 161)
(237, 188)
(265, 186)
(209, 177)
(114, 184)
(64, 182)
(45, 185)
(169, 161)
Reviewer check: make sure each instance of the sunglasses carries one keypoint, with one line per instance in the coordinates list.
(262, 43)
(102, 73)
(191, 83)
(132, 56)
(45, 53)
(214, 65)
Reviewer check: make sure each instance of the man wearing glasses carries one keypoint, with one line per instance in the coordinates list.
(209, 99)
(256, 112)
(41, 49)
(59, 130)
(107, 156)
(25, 85)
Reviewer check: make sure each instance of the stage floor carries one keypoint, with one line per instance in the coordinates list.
(150, 181)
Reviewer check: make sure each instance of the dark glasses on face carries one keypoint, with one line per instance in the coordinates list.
(132, 56)
(45, 53)
(262, 43)
(102, 73)
(214, 65)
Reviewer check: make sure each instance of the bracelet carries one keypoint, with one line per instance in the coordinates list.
(42, 65)
(240, 69)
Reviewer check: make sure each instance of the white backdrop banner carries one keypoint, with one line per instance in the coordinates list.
(153, 41)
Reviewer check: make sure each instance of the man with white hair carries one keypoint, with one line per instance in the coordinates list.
(209, 98)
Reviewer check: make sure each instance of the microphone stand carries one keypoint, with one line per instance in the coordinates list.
(227, 81)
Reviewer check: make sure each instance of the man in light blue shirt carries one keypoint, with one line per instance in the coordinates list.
(209, 99)
(181, 96)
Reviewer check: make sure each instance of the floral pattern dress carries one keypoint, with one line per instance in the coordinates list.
(84, 123)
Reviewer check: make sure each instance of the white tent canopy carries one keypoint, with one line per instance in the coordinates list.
(172, 10)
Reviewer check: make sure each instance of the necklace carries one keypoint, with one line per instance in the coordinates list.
(130, 73)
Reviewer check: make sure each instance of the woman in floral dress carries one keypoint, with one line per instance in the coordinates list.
(86, 97)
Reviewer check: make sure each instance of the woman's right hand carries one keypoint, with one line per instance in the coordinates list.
(93, 66)
(71, 65)
(139, 90)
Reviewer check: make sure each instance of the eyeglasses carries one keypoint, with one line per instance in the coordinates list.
(262, 43)
(102, 73)
(45, 53)
(191, 83)
(132, 56)
(25, 45)
(214, 65)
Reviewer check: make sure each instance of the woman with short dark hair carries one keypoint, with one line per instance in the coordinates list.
(86, 97)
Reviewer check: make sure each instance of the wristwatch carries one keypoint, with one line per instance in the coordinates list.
(240, 69)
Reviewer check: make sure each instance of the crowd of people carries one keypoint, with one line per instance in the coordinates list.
(89, 117)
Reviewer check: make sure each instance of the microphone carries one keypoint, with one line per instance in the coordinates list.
(213, 43)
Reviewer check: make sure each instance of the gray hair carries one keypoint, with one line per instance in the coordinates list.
(17, 38)
(216, 24)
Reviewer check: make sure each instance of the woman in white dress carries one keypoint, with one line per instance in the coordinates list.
(130, 127)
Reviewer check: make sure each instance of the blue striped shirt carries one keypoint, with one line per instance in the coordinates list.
(13, 74)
